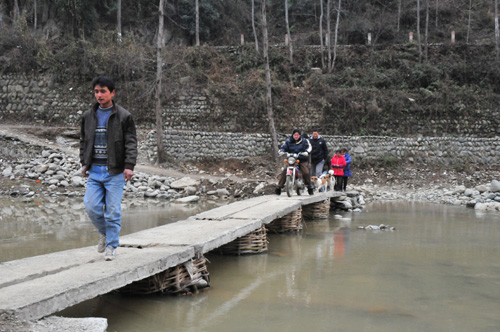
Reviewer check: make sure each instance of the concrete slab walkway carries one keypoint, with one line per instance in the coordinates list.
(36, 287)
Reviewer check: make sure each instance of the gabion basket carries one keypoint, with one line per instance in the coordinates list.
(184, 278)
(252, 243)
(320, 210)
(292, 222)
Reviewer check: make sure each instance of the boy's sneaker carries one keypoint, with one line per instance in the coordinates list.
(278, 191)
(101, 245)
(110, 253)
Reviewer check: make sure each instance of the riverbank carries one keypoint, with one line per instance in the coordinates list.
(44, 164)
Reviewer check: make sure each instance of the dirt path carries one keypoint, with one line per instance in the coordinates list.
(65, 139)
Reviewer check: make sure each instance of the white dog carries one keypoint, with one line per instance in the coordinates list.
(323, 183)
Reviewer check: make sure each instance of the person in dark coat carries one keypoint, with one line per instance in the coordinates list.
(297, 144)
(108, 154)
(319, 153)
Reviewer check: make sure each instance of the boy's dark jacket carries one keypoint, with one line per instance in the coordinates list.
(121, 139)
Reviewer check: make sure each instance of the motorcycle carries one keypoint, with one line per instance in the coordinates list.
(294, 180)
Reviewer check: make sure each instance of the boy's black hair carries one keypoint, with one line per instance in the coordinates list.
(104, 81)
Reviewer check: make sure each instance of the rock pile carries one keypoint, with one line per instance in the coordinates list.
(481, 197)
(60, 174)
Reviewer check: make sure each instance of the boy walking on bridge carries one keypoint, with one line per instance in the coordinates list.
(108, 154)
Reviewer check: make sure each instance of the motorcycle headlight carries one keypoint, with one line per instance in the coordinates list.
(291, 160)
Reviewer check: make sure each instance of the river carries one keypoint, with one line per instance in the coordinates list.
(438, 271)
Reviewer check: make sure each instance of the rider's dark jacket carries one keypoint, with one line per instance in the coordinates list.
(293, 146)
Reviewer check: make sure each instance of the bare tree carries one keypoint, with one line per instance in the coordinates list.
(253, 28)
(437, 11)
(34, 15)
(197, 28)
(17, 13)
(322, 46)
(119, 19)
(426, 37)
(328, 35)
(468, 22)
(418, 32)
(399, 13)
(159, 72)
(497, 33)
(336, 36)
(269, 103)
(288, 32)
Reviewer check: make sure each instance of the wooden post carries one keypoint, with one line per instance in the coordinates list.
(453, 37)
(242, 39)
(286, 39)
(369, 38)
(411, 37)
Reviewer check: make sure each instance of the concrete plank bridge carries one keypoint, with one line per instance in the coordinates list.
(35, 287)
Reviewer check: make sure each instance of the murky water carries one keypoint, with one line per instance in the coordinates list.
(41, 225)
(439, 271)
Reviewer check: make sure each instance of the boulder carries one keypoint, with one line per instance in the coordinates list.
(259, 188)
(222, 192)
(495, 186)
(459, 189)
(188, 199)
(184, 182)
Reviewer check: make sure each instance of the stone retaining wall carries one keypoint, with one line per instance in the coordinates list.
(40, 100)
(196, 145)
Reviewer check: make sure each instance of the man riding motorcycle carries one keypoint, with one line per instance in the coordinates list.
(297, 144)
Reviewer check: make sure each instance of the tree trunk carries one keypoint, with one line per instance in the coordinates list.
(336, 35)
(119, 19)
(17, 13)
(159, 61)
(437, 11)
(269, 104)
(197, 28)
(426, 37)
(288, 31)
(34, 15)
(497, 33)
(399, 14)
(328, 34)
(468, 23)
(418, 33)
(253, 28)
(322, 45)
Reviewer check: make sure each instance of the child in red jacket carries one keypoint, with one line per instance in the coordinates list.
(338, 164)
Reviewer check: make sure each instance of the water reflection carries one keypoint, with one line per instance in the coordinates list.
(40, 225)
(439, 271)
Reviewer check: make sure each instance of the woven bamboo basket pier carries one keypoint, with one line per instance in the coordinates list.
(320, 210)
(183, 278)
(252, 243)
(292, 222)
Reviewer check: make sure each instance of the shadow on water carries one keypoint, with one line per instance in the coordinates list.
(438, 271)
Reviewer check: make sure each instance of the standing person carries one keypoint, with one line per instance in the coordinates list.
(319, 153)
(347, 168)
(297, 144)
(338, 164)
(108, 154)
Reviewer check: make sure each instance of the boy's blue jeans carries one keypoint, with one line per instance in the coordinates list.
(102, 200)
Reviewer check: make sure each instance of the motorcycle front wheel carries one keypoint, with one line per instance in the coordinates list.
(289, 185)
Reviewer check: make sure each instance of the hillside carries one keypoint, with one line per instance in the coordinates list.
(386, 88)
